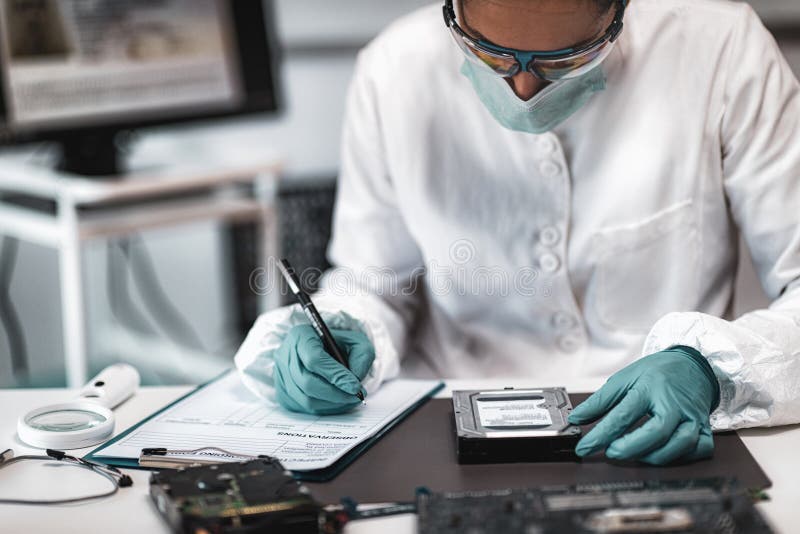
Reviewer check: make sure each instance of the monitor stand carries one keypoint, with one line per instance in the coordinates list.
(92, 154)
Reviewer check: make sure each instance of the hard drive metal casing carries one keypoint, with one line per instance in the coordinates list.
(514, 425)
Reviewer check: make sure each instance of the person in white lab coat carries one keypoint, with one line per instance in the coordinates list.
(572, 213)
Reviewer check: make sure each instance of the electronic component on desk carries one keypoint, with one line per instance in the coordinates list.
(253, 496)
(514, 425)
(711, 505)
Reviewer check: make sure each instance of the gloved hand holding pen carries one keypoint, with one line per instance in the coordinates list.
(308, 379)
(284, 360)
(316, 370)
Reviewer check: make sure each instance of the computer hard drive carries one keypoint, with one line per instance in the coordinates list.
(514, 425)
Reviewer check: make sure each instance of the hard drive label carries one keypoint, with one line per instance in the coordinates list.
(512, 413)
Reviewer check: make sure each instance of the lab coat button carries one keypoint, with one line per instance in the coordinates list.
(549, 263)
(547, 145)
(563, 321)
(550, 169)
(570, 342)
(549, 236)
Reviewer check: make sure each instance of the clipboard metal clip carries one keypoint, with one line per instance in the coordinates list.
(163, 458)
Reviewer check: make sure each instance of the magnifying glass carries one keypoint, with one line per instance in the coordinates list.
(84, 421)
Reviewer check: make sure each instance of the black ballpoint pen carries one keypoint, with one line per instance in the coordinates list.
(314, 317)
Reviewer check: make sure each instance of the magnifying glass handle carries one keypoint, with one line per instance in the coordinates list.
(113, 385)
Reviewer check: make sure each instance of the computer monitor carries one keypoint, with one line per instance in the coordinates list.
(80, 71)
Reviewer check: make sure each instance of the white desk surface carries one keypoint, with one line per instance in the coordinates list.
(130, 510)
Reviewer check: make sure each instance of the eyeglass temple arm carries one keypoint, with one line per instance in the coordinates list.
(448, 12)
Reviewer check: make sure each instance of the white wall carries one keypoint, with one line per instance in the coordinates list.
(322, 22)
(776, 11)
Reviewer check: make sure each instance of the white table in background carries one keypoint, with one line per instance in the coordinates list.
(199, 183)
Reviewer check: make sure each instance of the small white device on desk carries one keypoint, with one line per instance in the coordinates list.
(84, 421)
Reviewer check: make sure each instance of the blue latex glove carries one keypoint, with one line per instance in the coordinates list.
(676, 388)
(307, 379)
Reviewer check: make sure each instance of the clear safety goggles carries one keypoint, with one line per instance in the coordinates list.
(550, 66)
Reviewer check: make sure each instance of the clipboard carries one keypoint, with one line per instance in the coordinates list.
(314, 475)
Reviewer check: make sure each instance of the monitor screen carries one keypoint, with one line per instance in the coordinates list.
(68, 65)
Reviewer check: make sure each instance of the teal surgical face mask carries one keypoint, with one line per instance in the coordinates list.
(547, 109)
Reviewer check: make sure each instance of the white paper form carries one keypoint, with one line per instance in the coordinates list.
(227, 415)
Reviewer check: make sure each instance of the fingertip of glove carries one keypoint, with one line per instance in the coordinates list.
(350, 386)
(577, 418)
(585, 446)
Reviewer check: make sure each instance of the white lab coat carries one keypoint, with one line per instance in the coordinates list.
(573, 253)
